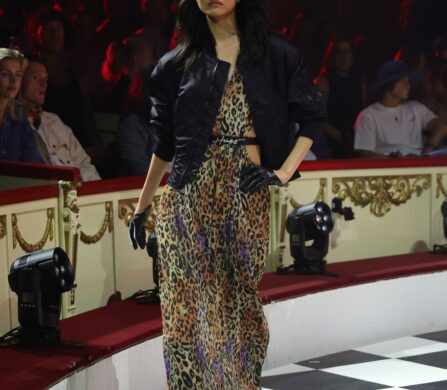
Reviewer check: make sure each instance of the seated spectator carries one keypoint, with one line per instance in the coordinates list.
(56, 141)
(303, 34)
(64, 95)
(393, 126)
(117, 24)
(135, 136)
(16, 136)
(442, 105)
(344, 87)
(124, 61)
(418, 60)
(438, 101)
(83, 56)
(155, 14)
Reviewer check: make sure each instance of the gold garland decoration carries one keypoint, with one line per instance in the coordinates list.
(107, 223)
(318, 198)
(27, 247)
(2, 226)
(380, 192)
(440, 190)
(126, 210)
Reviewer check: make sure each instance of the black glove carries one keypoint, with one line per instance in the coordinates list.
(255, 177)
(137, 231)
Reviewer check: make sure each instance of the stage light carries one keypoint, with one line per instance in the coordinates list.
(39, 279)
(309, 227)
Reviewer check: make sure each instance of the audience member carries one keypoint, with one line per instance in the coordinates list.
(438, 98)
(112, 66)
(393, 126)
(441, 108)
(83, 56)
(135, 136)
(58, 145)
(64, 95)
(16, 136)
(344, 87)
(417, 59)
(302, 34)
(155, 14)
(117, 24)
(122, 64)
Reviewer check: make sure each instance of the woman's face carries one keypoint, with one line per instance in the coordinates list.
(10, 78)
(343, 56)
(217, 9)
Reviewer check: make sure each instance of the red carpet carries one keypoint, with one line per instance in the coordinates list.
(106, 330)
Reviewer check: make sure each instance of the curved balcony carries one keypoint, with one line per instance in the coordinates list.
(397, 208)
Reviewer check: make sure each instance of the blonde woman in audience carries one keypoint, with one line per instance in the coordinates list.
(16, 136)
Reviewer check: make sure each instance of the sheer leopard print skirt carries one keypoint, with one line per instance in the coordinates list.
(213, 242)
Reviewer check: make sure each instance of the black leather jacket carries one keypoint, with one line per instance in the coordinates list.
(186, 104)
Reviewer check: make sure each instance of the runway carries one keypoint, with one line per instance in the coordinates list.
(409, 363)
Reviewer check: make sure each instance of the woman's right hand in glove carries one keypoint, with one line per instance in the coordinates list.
(137, 231)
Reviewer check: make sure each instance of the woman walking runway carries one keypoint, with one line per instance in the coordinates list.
(223, 102)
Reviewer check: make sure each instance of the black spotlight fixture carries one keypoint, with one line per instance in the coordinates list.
(442, 248)
(309, 227)
(39, 279)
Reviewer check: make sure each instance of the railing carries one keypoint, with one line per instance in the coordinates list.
(396, 204)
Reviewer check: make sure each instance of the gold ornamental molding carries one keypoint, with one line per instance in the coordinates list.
(26, 246)
(126, 209)
(106, 225)
(440, 189)
(2, 226)
(70, 200)
(318, 198)
(380, 192)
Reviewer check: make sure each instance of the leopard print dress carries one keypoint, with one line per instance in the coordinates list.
(213, 242)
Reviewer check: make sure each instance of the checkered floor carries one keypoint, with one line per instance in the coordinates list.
(418, 362)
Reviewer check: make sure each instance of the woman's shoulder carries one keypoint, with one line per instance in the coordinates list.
(15, 117)
(16, 124)
(168, 60)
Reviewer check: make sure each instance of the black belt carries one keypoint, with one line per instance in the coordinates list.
(226, 140)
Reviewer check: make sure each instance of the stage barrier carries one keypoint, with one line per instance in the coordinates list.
(396, 203)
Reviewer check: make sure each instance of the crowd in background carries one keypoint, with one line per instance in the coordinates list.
(88, 57)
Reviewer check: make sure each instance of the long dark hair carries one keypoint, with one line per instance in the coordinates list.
(195, 34)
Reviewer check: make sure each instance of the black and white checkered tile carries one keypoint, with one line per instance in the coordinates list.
(410, 363)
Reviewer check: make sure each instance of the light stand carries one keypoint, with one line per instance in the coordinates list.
(150, 296)
(442, 248)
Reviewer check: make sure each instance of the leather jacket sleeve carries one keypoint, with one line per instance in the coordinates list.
(163, 91)
(306, 103)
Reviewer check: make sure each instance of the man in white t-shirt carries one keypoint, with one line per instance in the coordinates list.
(393, 126)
